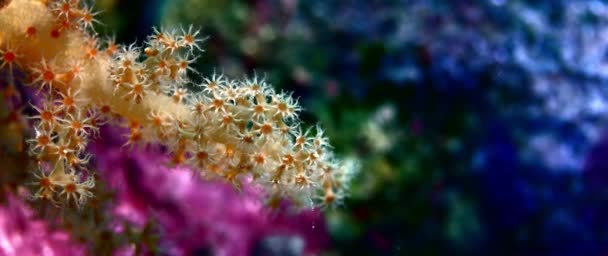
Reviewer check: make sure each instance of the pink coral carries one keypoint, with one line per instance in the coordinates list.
(22, 234)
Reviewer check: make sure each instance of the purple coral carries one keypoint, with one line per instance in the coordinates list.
(23, 234)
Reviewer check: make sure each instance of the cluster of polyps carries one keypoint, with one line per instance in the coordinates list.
(226, 129)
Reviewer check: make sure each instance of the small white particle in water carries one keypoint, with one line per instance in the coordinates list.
(312, 207)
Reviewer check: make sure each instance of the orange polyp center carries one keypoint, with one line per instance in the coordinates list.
(55, 33)
(76, 125)
(227, 120)
(87, 17)
(70, 188)
(9, 57)
(135, 136)
(44, 140)
(46, 115)
(65, 7)
(218, 103)
(65, 24)
(248, 139)
(157, 121)
(30, 31)
(48, 76)
(189, 39)
(138, 89)
(259, 159)
(45, 183)
(68, 101)
(105, 109)
(202, 155)
(288, 159)
(66, 77)
(76, 69)
(92, 52)
(134, 124)
(259, 109)
(266, 129)
(111, 49)
(282, 107)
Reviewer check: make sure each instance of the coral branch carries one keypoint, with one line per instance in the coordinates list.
(229, 130)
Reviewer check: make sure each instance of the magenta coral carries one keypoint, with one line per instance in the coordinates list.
(22, 234)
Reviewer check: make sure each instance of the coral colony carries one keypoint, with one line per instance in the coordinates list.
(235, 130)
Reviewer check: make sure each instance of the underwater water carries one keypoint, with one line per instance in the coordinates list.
(407, 127)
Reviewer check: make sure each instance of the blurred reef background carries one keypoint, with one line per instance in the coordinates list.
(480, 125)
